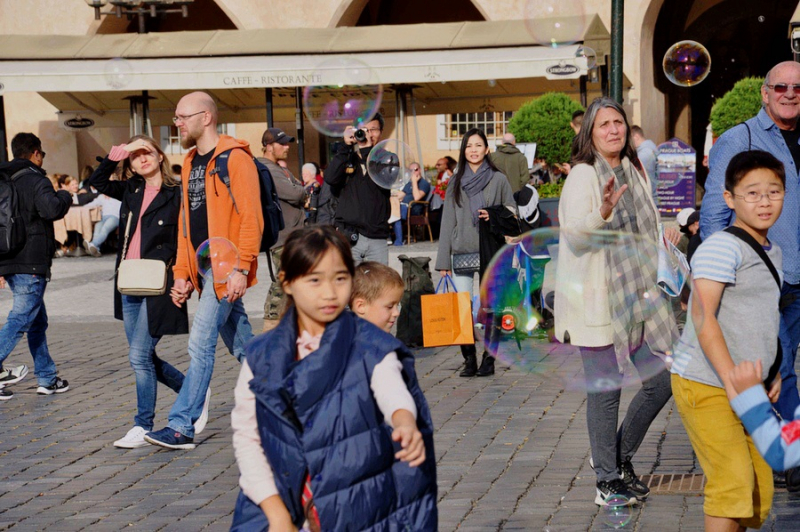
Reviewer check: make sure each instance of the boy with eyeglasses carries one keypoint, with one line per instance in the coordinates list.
(733, 282)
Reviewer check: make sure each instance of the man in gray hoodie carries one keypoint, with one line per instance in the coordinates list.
(509, 160)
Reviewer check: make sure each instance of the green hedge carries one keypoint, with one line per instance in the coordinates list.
(545, 121)
(740, 103)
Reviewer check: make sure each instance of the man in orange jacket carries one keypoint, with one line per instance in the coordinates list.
(210, 209)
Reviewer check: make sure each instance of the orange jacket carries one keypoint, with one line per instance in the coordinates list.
(242, 224)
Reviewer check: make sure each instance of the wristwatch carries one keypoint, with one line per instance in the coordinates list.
(243, 272)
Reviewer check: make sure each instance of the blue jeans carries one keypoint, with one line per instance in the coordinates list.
(28, 315)
(103, 228)
(213, 318)
(789, 336)
(148, 369)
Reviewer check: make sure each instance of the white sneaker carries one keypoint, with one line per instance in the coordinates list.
(200, 424)
(133, 439)
(12, 375)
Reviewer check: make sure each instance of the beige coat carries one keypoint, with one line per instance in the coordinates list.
(581, 299)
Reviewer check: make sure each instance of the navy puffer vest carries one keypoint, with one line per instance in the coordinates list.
(319, 416)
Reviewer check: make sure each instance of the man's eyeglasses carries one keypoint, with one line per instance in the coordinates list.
(415, 169)
(755, 197)
(373, 130)
(781, 88)
(184, 118)
(42, 154)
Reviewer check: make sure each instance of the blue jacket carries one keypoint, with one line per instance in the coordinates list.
(715, 214)
(319, 416)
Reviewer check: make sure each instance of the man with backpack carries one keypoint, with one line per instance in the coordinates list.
(221, 199)
(292, 195)
(28, 207)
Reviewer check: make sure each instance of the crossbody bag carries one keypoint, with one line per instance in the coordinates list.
(140, 277)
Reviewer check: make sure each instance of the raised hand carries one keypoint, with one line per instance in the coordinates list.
(610, 197)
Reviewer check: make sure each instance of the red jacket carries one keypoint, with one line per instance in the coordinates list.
(243, 228)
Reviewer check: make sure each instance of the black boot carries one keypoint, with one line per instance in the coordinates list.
(487, 365)
(470, 361)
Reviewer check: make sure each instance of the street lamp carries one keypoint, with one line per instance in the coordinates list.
(139, 8)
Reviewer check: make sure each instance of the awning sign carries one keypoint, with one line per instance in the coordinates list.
(677, 166)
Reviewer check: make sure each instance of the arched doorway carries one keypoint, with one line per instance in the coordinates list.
(744, 38)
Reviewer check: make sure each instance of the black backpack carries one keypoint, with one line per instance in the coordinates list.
(417, 278)
(12, 223)
(270, 205)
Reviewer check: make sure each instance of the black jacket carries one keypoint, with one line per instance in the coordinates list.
(363, 205)
(41, 206)
(159, 241)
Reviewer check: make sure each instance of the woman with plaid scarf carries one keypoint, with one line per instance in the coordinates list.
(608, 198)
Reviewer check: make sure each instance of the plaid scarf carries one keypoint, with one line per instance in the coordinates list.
(639, 310)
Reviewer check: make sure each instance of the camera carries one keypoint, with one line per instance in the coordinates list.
(796, 39)
(360, 135)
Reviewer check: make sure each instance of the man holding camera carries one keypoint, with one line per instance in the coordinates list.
(363, 210)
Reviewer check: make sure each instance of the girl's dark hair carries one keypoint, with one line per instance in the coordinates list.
(455, 182)
(305, 247)
(585, 150)
(745, 162)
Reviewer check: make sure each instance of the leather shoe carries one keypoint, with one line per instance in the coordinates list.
(487, 365)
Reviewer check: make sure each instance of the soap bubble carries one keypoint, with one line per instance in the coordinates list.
(556, 23)
(586, 57)
(389, 164)
(348, 94)
(617, 511)
(687, 63)
(118, 73)
(521, 295)
(761, 18)
(217, 257)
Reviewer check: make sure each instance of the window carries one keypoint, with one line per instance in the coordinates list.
(171, 137)
(452, 127)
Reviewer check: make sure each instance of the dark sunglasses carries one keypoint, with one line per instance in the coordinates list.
(781, 88)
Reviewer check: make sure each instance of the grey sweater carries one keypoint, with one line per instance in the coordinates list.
(457, 234)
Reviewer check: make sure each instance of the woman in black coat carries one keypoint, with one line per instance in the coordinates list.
(151, 203)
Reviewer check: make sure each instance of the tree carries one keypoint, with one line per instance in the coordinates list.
(545, 121)
(741, 103)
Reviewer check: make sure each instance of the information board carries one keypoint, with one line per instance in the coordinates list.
(677, 172)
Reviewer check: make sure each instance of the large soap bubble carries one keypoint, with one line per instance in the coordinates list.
(217, 258)
(520, 295)
(687, 63)
(118, 73)
(556, 23)
(389, 164)
(586, 57)
(348, 94)
(617, 511)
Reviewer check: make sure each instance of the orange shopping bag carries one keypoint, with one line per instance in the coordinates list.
(446, 317)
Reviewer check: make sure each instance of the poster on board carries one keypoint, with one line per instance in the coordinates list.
(677, 173)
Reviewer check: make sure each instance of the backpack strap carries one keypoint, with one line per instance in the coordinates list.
(749, 240)
(221, 171)
(749, 137)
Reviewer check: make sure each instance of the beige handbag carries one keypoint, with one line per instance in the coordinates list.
(140, 277)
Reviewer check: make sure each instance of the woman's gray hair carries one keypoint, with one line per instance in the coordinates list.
(584, 150)
(310, 167)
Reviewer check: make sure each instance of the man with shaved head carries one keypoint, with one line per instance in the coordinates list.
(774, 130)
(217, 207)
(509, 160)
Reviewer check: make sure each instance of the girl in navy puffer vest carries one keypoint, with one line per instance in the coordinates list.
(330, 426)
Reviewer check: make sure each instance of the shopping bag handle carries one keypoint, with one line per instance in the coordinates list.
(445, 279)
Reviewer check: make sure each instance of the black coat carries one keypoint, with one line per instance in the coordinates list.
(41, 205)
(159, 241)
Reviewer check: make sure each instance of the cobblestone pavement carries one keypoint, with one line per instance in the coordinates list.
(512, 450)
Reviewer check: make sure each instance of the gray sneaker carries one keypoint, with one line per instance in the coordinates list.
(5, 395)
(12, 375)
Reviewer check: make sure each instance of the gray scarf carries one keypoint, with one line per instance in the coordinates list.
(639, 310)
(473, 184)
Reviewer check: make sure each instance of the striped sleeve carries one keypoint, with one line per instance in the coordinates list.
(777, 441)
(717, 259)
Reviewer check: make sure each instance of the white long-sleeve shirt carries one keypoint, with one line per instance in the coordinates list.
(256, 478)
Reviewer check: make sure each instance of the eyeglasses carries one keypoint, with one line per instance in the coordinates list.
(781, 88)
(415, 169)
(373, 130)
(184, 118)
(42, 154)
(755, 197)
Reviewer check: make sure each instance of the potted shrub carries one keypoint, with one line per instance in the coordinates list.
(545, 121)
(741, 103)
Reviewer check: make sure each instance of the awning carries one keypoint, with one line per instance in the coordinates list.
(448, 64)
